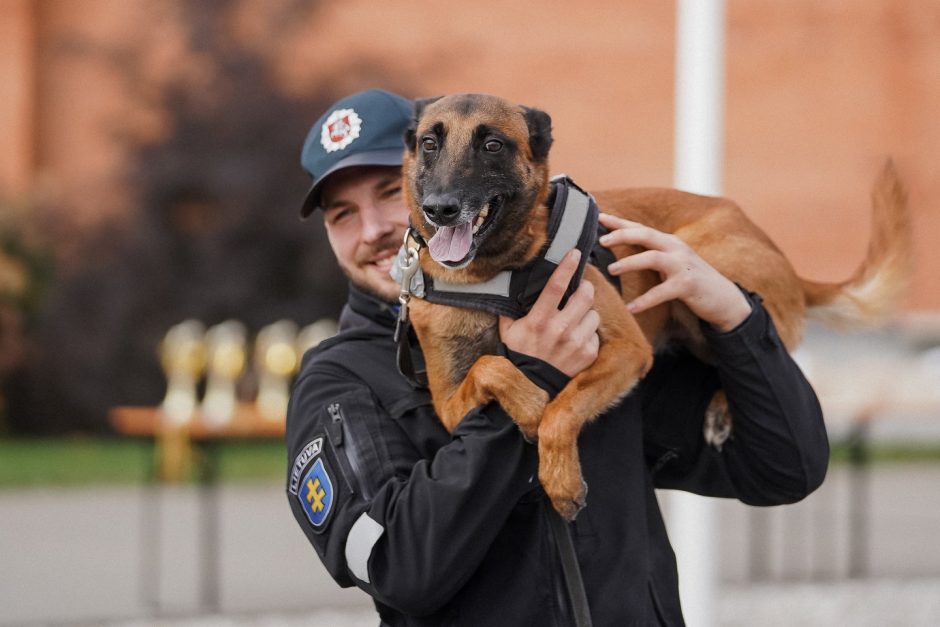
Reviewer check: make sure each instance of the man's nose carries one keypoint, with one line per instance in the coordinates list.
(375, 225)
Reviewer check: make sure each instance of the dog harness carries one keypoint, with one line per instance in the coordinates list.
(572, 224)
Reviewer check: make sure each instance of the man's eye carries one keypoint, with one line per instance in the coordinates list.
(339, 215)
(493, 145)
(392, 192)
(429, 144)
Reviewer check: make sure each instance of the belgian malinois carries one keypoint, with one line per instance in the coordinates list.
(477, 182)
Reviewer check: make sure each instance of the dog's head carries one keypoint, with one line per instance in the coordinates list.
(476, 180)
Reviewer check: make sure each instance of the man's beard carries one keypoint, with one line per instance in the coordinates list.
(370, 290)
(391, 244)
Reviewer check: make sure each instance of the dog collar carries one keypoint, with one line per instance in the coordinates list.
(572, 224)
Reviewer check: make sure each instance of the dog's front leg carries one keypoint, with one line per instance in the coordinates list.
(462, 372)
(495, 378)
(625, 355)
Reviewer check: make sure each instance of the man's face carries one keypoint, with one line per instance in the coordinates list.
(365, 219)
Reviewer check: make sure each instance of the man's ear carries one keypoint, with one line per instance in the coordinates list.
(540, 132)
(419, 105)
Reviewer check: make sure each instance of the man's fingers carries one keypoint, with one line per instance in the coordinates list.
(646, 260)
(615, 222)
(554, 290)
(579, 304)
(654, 296)
(640, 235)
(586, 326)
(635, 234)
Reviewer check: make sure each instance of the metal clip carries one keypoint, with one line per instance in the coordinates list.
(409, 267)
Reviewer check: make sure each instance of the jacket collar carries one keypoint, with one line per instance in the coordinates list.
(363, 308)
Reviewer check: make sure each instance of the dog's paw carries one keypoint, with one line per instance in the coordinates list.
(718, 422)
(568, 505)
(560, 475)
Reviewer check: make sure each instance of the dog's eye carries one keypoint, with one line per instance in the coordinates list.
(428, 144)
(493, 145)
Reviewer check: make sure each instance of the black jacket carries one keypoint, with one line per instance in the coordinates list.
(452, 530)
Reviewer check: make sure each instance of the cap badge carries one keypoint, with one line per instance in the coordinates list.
(340, 129)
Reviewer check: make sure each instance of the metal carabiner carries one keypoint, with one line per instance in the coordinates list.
(409, 267)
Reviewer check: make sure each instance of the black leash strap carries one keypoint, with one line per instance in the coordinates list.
(406, 362)
(572, 572)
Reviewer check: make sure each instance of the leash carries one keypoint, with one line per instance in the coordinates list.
(570, 569)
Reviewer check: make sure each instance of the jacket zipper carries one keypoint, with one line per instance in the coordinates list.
(345, 441)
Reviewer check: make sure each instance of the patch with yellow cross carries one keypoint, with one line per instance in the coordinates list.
(315, 494)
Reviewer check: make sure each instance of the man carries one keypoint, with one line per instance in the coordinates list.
(453, 529)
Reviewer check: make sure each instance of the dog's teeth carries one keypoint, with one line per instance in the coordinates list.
(480, 218)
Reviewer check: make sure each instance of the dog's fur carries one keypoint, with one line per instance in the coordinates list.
(452, 172)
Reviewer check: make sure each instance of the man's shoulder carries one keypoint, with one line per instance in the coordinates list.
(335, 369)
(350, 351)
(366, 356)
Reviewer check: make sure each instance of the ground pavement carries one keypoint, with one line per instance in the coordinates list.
(78, 556)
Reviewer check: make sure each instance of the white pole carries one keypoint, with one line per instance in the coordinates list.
(700, 84)
(698, 155)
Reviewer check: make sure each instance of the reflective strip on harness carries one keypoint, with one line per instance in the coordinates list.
(571, 227)
(497, 286)
(361, 540)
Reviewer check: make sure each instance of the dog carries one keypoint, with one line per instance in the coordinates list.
(476, 181)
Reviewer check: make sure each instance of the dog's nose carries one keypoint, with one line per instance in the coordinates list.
(442, 209)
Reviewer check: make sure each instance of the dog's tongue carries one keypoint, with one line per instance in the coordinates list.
(451, 243)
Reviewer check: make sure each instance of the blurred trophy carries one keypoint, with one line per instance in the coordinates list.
(183, 356)
(226, 357)
(276, 361)
(314, 333)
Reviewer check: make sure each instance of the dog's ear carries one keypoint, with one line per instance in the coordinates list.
(419, 105)
(540, 132)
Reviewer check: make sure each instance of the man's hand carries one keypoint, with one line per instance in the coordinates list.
(567, 338)
(686, 277)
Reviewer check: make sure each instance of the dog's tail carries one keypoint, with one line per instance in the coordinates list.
(873, 292)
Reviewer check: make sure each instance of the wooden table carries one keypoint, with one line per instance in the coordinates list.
(151, 423)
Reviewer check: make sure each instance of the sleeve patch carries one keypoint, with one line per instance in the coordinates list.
(309, 452)
(316, 494)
